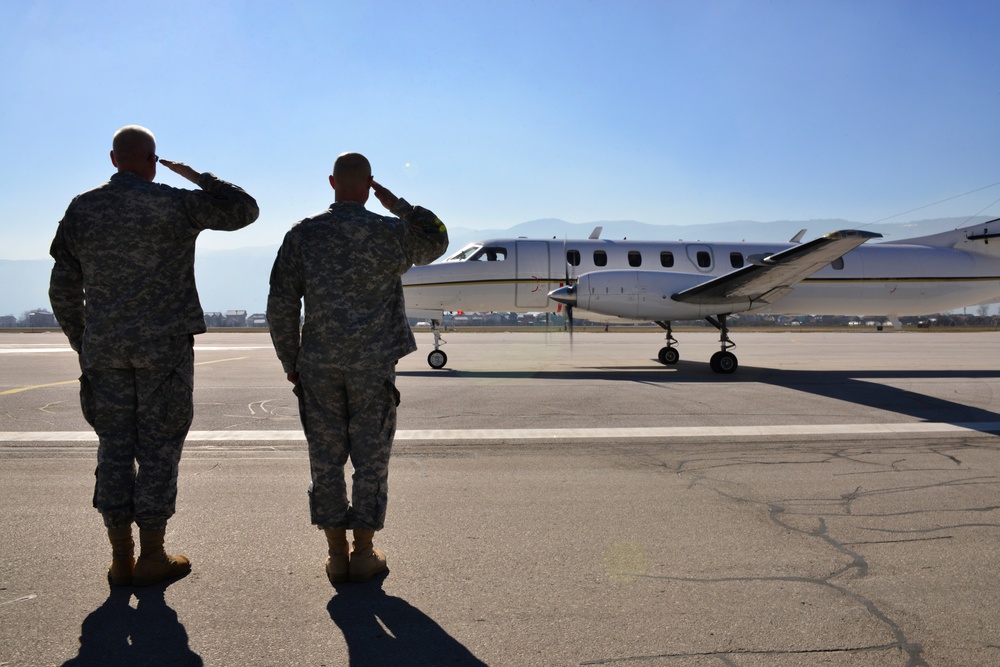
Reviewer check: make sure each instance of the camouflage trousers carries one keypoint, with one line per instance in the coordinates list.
(141, 417)
(348, 415)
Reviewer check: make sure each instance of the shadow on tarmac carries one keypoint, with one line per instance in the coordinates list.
(116, 634)
(381, 629)
(862, 387)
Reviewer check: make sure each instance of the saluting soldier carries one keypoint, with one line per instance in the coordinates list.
(123, 291)
(346, 264)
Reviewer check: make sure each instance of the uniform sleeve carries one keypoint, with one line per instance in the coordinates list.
(427, 238)
(220, 205)
(284, 304)
(66, 292)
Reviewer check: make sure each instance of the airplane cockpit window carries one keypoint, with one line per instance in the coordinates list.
(465, 253)
(736, 259)
(490, 254)
(838, 264)
(600, 258)
(634, 258)
(573, 257)
(666, 259)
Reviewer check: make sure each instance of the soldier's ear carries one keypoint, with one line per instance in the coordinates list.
(333, 184)
(113, 161)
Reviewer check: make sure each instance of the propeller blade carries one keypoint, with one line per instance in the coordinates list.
(566, 260)
(569, 279)
(569, 306)
(569, 314)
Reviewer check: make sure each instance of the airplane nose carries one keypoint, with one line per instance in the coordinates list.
(564, 295)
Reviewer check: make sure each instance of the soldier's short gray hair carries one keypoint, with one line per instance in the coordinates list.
(352, 169)
(133, 143)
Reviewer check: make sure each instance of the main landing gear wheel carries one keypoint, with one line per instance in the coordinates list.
(724, 362)
(437, 359)
(668, 356)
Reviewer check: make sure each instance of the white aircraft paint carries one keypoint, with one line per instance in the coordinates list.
(646, 280)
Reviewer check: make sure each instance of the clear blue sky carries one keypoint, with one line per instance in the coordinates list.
(495, 113)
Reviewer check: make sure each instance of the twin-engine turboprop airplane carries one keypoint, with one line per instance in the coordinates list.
(666, 281)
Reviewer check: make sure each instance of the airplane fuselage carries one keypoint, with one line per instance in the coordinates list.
(632, 279)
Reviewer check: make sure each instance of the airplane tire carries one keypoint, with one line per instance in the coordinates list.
(437, 359)
(669, 356)
(724, 362)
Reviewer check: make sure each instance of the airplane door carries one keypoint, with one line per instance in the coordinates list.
(701, 257)
(532, 275)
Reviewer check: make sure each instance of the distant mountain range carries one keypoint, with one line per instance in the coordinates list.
(237, 279)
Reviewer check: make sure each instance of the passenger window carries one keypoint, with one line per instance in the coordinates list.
(838, 264)
(634, 258)
(736, 259)
(666, 259)
(600, 258)
(573, 257)
(704, 259)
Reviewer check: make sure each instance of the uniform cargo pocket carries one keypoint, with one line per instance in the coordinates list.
(87, 399)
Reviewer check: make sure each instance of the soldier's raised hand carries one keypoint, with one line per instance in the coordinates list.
(385, 197)
(181, 169)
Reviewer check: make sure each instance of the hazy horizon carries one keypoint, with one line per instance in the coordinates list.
(216, 267)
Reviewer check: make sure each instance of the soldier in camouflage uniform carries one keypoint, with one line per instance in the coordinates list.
(123, 291)
(346, 264)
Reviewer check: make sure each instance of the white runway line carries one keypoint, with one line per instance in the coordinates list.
(915, 429)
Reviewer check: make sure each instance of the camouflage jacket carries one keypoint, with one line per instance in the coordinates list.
(124, 263)
(346, 263)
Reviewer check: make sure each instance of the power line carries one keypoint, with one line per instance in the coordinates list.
(919, 208)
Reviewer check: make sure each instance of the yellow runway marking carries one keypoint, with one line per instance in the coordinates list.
(56, 384)
(37, 386)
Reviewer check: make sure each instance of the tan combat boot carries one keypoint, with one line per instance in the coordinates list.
(366, 561)
(122, 556)
(154, 565)
(338, 560)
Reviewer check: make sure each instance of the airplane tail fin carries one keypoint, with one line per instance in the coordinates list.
(983, 239)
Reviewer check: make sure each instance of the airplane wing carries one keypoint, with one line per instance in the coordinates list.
(767, 279)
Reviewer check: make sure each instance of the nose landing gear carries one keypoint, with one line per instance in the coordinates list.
(437, 358)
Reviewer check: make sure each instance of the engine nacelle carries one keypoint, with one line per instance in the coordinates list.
(638, 295)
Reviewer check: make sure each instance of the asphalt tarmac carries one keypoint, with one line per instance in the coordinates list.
(835, 502)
